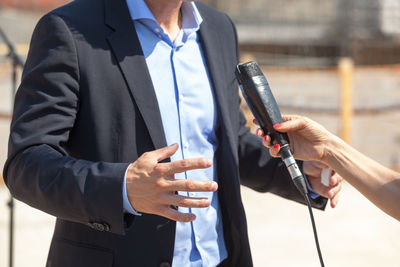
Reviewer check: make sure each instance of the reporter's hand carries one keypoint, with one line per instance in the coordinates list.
(151, 185)
(308, 139)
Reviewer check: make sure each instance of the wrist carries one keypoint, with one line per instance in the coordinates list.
(127, 205)
(332, 148)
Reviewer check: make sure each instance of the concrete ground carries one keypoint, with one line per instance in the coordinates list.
(355, 233)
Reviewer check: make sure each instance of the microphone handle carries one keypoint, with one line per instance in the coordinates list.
(293, 169)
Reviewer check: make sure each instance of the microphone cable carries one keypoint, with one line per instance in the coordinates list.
(321, 260)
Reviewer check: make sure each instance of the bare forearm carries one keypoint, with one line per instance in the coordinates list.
(378, 183)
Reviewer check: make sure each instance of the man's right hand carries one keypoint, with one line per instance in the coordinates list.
(151, 186)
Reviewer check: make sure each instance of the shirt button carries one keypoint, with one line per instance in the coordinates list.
(186, 145)
(157, 29)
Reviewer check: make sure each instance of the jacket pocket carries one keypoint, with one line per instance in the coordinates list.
(65, 253)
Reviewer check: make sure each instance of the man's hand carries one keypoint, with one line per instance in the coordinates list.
(151, 186)
(313, 171)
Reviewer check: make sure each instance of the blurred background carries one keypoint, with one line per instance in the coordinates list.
(335, 61)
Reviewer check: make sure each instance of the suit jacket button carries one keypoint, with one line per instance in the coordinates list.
(102, 227)
(165, 264)
(107, 227)
(98, 226)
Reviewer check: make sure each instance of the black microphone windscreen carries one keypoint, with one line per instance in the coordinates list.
(249, 70)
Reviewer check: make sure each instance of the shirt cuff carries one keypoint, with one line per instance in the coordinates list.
(312, 193)
(127, 205)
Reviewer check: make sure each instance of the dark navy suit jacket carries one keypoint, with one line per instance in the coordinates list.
(86, 108)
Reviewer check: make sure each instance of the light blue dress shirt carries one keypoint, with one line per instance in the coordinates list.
(189, 116)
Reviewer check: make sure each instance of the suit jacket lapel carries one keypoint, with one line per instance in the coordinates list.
(212, 49)
(128, 52)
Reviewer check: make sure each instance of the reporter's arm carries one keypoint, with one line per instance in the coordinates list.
(311, 141)
(379, 184)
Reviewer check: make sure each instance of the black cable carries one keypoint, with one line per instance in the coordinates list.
(306, 196)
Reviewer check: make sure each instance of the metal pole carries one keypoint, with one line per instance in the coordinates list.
(11, 201)
(11, 232)
(346, 70)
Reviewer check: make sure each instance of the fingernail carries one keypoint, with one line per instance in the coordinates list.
(278, 125)
(276, 147)
(266, 138)
(214, 186)
(209, 162)
(258, 132)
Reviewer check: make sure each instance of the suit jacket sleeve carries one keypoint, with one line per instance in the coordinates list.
(39, 170)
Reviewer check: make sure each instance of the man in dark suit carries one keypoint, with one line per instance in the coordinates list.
(108, 88)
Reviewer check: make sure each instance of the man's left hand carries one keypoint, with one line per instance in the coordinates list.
(313, 171)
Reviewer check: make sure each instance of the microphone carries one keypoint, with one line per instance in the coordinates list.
(259, 98)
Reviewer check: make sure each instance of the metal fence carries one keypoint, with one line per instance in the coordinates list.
(317, 32)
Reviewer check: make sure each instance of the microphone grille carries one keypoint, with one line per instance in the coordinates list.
(248, 70)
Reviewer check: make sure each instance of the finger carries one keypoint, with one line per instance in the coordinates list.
(267, 141)
(317, 186)
(291, 125)
(175, 215)
(192, 186)
(334, 201)
(185, 201)
(259, 132)
(165, 152)
(335, 179)
(274, 151)
(311, 169)
(334, 191)
(170, 168)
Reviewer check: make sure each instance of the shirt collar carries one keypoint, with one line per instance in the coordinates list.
(191, 18)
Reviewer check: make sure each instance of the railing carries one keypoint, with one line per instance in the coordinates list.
(16, 62)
